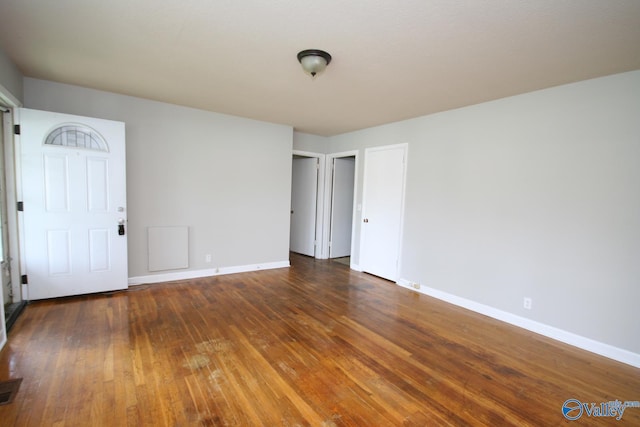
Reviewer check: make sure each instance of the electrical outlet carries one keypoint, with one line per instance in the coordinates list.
(528, 303)
(415, 285)
(207, 258)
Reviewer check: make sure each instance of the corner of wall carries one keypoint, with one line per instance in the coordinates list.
(11, 85)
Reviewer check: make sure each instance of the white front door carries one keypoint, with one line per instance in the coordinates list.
(382, 210)
(304, 196)
(74, 194)
(342, 207)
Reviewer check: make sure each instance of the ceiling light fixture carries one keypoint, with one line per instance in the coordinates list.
(314, 61)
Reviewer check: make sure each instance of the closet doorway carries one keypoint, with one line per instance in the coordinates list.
(306, 175)
(341, 176)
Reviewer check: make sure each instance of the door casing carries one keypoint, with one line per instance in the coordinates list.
(9, 103)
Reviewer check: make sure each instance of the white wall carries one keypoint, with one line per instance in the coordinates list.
(310, 143)
(227, 178)
(10, 79)
(535, 195)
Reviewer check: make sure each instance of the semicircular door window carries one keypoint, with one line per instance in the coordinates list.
(76, 136)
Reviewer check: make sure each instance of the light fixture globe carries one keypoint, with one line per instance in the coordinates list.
(314, 61)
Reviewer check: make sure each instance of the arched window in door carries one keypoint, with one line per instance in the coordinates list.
(76, 136)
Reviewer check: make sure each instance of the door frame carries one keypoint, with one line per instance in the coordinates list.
(405, 148)
(327, 205)
(13, 194)
(320, 194)
(8, 139)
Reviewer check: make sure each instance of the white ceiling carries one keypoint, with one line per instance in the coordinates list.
(392, 59)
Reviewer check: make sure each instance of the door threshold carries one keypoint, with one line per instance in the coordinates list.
(11, 313)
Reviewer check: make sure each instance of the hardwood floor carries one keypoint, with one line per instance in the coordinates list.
(316, 344)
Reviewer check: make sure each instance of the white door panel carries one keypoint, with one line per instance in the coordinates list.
(304, 194)
(382, 211)
(342, 207)
(74, 193)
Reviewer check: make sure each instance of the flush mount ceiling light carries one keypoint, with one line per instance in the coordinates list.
(314, 61)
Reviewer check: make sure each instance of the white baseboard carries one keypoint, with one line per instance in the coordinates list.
(194, 274)
(606, 350)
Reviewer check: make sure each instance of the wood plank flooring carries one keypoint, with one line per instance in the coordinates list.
(316, 344)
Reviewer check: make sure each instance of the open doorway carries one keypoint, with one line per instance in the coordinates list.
(341, 172)
(306, 209)
(5, 274)
(12, 303)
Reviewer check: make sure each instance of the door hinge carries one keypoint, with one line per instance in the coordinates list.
(20, 206)
(24, 280)
(16, 129)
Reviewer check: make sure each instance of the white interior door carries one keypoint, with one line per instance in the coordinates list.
(382, 210)
(304, 196)
(342, 207)
(74, 194)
